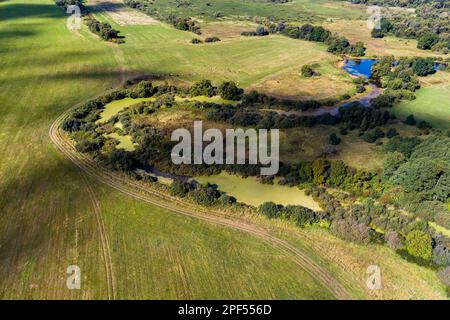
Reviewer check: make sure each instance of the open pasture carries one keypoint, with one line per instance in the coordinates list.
(432, 101)
(297, 10)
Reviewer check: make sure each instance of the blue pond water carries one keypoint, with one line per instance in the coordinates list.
(439, 66)
(358, 68)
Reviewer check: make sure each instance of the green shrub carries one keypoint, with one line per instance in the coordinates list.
(307, 71)
(419, 245)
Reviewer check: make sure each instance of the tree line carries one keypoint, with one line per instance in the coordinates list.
(102, 29)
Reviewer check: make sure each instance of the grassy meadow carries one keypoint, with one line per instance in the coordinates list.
(48, 210)
(431, 103)
(253, 62)
(298, 10)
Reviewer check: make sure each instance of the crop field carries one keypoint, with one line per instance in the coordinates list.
(52, 215)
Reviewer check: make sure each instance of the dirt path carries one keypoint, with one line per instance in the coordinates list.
(110, 279)
(161, 199)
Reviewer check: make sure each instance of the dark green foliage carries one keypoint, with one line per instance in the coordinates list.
(423, 66)
(205, 195)
(410, 120)
(307, 71)
(260, 32)
(202, 88)
(424, 125)
(427, 171)
(91, 145)
(180, 188)
(377, 33)
(185, 24)
(120, 160)
(404, 145)
(226, 200)
(320, 171)
(103, 29)
(383, 101)
(338, 173)
(196, 41)
(392, 162)
(300, 215)
(392, 132)
(230, 91)
(270, 210)
(334, 140)
(212, 39)
(143, 89)
(371, 136)
(337, 45)
(427, 41)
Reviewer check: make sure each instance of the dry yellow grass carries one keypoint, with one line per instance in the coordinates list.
(307, 144)
(227, 29)
(332, 82)
(357, 30)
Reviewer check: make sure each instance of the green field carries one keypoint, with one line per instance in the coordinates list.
(49, 212)
(431, 103)
(245, 60)
(299, 10)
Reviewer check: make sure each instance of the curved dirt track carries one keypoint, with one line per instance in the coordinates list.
(161, 199)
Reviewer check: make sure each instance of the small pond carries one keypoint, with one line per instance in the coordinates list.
(360, 67)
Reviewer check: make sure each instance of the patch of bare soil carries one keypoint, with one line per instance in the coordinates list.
(121, 14)
(227, 29)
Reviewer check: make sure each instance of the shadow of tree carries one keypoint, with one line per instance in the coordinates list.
(20, 11)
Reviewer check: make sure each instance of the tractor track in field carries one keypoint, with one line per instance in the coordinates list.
(106, 252)
(125, 185)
